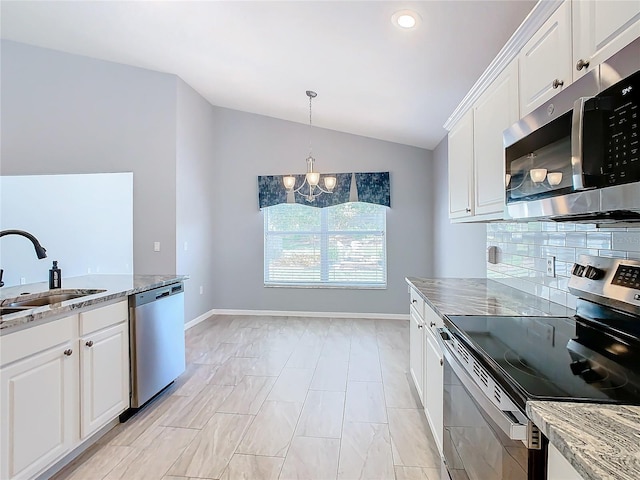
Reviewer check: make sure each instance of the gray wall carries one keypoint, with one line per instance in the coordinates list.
(195, 200)
(459, 248)
(195, 175)
(248, 145)
(64, 113)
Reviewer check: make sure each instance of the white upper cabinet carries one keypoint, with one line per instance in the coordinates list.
(496, 110)
(545, 61)
(600, 29)
(461, 168)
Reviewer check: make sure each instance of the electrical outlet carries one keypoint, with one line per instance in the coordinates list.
(156, 246)
(551, 266)
(23, 280)
(201, 289)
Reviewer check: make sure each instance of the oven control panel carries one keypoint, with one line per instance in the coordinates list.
(627, 276)
(609, 281)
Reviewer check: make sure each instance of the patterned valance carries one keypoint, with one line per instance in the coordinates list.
(350, 187)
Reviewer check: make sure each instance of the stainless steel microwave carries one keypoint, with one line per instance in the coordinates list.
(577, 158)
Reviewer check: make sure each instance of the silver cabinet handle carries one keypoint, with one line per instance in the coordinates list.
(441, 362)
(89, 343)
(420, 325)
(68, 352)
(432, 324)
(557, 83)
(582, 64)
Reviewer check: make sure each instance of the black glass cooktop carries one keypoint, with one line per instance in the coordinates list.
(556, 358)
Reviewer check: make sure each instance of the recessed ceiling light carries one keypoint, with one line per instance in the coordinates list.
(406, 19)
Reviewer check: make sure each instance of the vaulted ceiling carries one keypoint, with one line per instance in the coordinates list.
(372, 77)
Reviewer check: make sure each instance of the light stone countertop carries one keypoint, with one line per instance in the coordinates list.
(482, 296)
(601, 441)
(114, 286)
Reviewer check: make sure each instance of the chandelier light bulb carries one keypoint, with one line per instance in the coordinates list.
(554, 178)
(330, 183)
(313, 178)
(289, 182)
(538, 174)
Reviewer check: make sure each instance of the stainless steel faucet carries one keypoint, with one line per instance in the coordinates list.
(40, 250)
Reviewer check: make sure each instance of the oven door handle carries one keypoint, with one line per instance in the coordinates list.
(513, 429)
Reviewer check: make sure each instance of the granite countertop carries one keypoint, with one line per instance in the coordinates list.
(114, 286)
(482, 296)
(602, 442)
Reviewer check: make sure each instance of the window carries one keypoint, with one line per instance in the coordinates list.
(343, 245)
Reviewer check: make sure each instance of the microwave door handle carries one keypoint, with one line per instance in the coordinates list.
(577, 130)
(514, 430)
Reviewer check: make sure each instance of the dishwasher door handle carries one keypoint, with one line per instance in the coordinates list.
(166, 293)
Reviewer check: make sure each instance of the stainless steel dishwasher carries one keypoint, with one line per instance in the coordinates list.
(156, 340)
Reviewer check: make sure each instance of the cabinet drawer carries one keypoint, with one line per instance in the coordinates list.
(432, 319)
(29, 341)
(103, 317)
(416, 302)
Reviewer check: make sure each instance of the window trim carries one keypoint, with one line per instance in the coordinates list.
(324, 233)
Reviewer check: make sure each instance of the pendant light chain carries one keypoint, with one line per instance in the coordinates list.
(311, 95)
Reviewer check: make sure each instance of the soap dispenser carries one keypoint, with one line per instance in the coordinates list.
(55, 276)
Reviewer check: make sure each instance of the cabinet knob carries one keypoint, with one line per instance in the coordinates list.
(468, 210)
(582, 64)
(557, 83)
(68, 352)
(441, 362)
(420, 325)
(432, 324)
(414, 301)
(89, 343)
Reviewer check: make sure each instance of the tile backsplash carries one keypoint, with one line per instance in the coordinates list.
(524, 247)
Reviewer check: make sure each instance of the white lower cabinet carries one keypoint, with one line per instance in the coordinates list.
(104, 369)
(416, 352)
(433, 405)
(56, 390)
(39, 402)
(426, 363)
(559, 468)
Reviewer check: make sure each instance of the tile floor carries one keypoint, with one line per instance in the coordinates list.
(277, 398)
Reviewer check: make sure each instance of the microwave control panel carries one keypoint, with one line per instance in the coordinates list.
(622, 162)
(622, 132)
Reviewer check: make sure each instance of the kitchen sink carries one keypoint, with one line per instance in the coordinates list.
(49, 299)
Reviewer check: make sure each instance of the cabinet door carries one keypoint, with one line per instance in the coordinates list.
(496, 110)
(600, 29)
(39, 407)
(545, 62)
(461, 168)
(433, 389)
(104, 370)
(416, 353)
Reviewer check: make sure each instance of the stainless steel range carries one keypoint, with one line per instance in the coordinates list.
(494, 365)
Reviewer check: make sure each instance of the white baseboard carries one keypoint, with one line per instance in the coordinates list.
(284, 313)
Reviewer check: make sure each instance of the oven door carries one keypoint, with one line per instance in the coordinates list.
(477, 446)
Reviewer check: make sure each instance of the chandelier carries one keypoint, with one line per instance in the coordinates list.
(311, 178)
